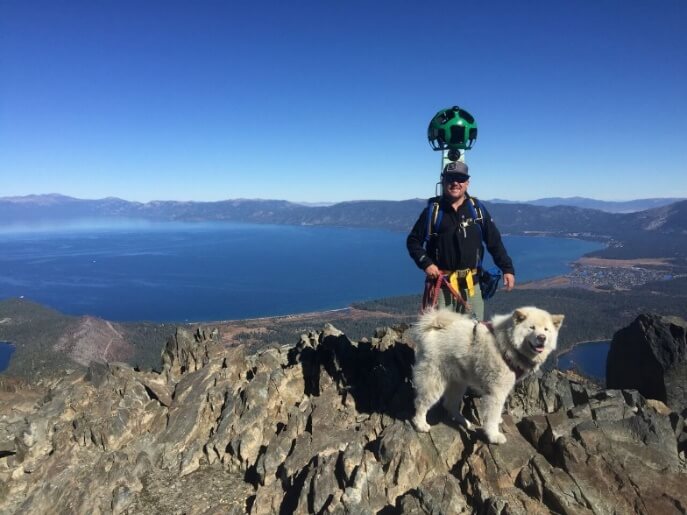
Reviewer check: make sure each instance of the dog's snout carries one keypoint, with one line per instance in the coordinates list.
(541, 338)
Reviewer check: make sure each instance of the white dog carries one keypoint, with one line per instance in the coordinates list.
(455, 352)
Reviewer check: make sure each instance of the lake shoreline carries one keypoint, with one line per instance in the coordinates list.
(572, 346)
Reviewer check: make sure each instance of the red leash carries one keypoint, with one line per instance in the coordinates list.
(430, 297)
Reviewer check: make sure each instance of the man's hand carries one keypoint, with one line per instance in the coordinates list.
(432, 271)
(508, 281)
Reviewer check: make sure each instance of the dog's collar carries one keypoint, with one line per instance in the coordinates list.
(517, 370)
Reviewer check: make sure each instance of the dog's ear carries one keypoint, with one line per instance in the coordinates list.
(519, 316)
(557, 320)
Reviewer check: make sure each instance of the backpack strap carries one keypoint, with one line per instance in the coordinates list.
(434, 216)
(477, 212)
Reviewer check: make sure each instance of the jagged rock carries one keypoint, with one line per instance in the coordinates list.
(366, 494)
(650, 355)
(441, 494)
(322, 427)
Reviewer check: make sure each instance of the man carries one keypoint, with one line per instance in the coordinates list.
(455, 246)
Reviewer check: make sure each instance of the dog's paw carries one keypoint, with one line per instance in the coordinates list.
(421, 424)
(496, 438)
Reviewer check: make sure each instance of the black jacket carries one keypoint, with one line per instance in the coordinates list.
(458, 241)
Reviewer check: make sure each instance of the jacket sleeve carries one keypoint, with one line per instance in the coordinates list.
(415, 242)
(492, 239)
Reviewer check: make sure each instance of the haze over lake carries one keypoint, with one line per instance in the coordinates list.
(212, 271)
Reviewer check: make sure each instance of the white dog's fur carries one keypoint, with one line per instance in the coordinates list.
(455, 352)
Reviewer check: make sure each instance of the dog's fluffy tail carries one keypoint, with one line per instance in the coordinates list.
(434, 320)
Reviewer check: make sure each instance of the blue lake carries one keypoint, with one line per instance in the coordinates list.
(215, 271)
(588, 358)
(6, 350)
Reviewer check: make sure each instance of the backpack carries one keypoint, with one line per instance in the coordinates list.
(488, 279)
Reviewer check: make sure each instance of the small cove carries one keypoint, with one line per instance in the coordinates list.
(588, 358)
(6, 350)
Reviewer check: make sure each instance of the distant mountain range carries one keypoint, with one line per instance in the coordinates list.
(656, 232)
(627, 206)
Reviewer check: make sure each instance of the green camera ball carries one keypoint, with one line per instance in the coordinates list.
(452, 129)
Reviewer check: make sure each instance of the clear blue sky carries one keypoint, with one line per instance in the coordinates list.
(329, 100)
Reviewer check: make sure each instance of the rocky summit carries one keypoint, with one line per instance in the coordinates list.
(322, 426)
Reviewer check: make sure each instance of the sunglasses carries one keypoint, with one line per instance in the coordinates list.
(448, 179)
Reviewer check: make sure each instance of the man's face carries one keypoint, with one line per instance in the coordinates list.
(455, 186)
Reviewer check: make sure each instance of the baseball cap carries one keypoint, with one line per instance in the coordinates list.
(456, 168)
